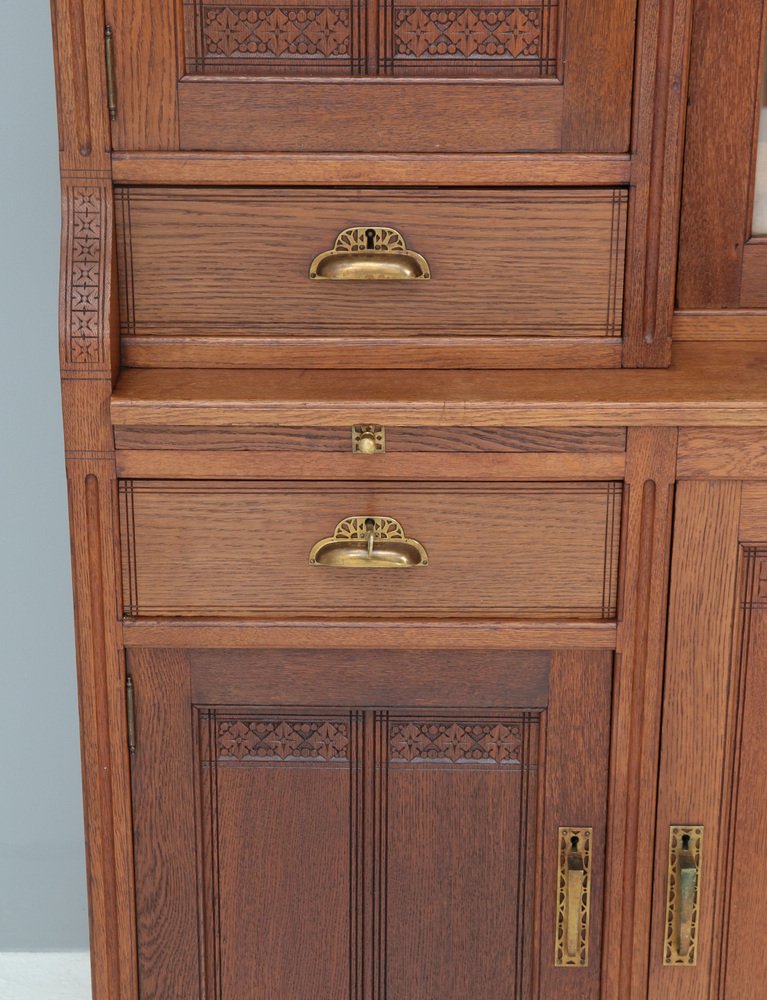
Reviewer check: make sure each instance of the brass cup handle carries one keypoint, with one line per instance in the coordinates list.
(369, 254)
(368, 543)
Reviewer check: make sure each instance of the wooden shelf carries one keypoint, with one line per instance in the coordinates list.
(708, 384)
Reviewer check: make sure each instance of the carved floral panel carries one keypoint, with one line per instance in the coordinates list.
(447, 39)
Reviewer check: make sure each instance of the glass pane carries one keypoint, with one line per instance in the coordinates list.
(760, 198)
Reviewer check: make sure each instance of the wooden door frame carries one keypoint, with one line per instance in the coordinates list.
(721, 264)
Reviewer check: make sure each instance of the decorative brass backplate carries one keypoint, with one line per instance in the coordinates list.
(685, 852)
(368, 439)
(369, 254)
(573, 896)
(368, 543)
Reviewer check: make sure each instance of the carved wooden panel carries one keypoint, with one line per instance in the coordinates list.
(415, 38)
(528, 550)
(455, 796)
(85, 274)
(235, 264)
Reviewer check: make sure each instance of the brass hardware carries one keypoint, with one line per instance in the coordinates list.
(368, 439)
(368, 543)
(573, 897)
(373, 254)
(685, 851)
(130, 713)
(111, 81)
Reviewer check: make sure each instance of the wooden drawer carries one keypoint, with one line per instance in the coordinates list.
(237, 549)
(524, 276)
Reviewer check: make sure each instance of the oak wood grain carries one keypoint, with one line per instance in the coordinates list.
(361, 634)
(721, 121)
(399, 440)
(425, 466)
(638, 686)
(707, 385)
(710, 453)
(695, 712)
(233, 549)
(382, 170)
(502, 263)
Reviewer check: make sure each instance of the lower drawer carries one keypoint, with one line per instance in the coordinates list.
(236, 549)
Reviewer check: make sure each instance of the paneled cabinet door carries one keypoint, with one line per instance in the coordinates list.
(358, 825)
(373, 75)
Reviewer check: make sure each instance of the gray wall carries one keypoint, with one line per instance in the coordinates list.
(42, 878)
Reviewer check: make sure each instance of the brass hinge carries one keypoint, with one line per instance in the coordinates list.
(130, 713)
(111, 83)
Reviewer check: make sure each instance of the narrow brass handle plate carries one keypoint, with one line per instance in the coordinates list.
(370, 254)
(368, 543)
(685, 852)
(573, 897)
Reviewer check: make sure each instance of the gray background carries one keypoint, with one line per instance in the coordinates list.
(42, 878)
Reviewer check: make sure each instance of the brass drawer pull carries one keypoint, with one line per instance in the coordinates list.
(685, 851)
(373, 254)
(368, 543)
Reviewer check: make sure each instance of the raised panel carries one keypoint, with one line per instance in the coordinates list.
(363, 852)
(528, 550)
(279, 807)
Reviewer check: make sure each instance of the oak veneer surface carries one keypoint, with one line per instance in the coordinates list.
(374, 76)
(392, 808)
(707, 385)
(533, 263)
(546, 550)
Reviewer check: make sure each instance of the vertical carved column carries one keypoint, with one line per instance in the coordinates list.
(650, 475)
(660, 94)
(89, 346)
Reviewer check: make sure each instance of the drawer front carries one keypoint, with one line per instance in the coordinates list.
(526, 550)
(231, 269)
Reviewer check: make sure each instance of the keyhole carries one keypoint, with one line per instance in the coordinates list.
(370, 238)
(370, 524)
(574, 841)
(685, 841)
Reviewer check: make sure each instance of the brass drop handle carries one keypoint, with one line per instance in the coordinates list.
(369, 254)
(576, 881)
(368, 543)
(685, 853)
(573, 896)
(687, 873)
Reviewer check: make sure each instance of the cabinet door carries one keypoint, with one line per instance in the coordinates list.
(373, 75)
(370, 824)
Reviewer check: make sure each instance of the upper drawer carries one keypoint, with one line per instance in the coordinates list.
(224, 277)
(236, 548)
(380, 76)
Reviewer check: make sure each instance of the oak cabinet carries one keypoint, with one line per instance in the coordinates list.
(369, 824)
(418, 574)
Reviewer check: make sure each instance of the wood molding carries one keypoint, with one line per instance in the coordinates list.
(465, 634)
(707, 385)
(695, 714)
(741, 325)
(385, 170)
(650, 474)
(106, 778)
(659, 120)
